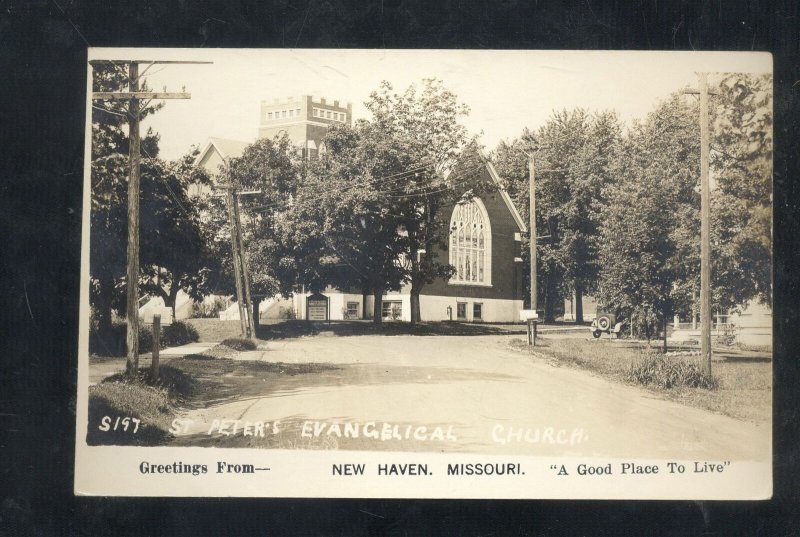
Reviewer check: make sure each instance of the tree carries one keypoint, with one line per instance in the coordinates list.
(741, 160)
(350, 188)
(573, 151)
(649, 218)
(650, 250)
(175, 254)
(109, 174)
(576, 150)
(273, 168)
(511, 161)
(428, 123)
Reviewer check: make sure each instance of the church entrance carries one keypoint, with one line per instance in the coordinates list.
(317, 307)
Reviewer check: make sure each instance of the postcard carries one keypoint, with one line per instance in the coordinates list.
(426, 274)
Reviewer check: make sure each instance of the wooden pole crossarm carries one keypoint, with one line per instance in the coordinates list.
(128, 95)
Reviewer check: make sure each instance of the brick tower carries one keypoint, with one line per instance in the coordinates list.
(305, 120)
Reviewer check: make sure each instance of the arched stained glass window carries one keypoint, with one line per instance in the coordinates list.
(471, 244)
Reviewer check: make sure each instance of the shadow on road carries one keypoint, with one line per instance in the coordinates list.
(294, 329)
(222, 380)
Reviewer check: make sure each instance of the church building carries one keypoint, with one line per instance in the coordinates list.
(484, 246)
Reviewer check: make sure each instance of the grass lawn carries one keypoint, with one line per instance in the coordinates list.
(296, 328)
(215, 330)
(192, 381)
(744, 381)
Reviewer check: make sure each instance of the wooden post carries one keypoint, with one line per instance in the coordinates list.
(236, 262)
(132, 276)
(705, 229)
(156, 346)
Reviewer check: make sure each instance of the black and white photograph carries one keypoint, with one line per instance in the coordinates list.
(426, 274)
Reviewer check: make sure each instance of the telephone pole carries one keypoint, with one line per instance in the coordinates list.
(248, 306)
(237, 262)
(134, 97)
(705, 228)
(241, 270)
(132, 275)
(532, 224)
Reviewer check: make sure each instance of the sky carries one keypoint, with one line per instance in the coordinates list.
(506, 91)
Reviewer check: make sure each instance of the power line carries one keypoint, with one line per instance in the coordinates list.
(380, 180)
(100, 108)
(171, 168)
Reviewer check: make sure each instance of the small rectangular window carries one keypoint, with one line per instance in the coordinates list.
(392, 310)
(477, 311)
(269, 115)
(352, 310)
(297, 113)
(461, 311)
(283, 114)
(329, 115)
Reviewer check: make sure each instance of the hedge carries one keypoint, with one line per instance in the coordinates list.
(173, 335)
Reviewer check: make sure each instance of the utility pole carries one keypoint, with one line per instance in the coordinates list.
(134, 97)
(532, 223)
(534, 313)
(132, 275)
(241, 270)
(248, 306)
(705, 228)
(237, 264)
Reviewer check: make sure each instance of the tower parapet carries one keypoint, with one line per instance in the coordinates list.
(305, 119)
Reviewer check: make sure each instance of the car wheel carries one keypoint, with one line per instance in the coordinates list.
(596, 333)
(604, 323)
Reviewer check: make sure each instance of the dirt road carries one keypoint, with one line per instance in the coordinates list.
(479, 395)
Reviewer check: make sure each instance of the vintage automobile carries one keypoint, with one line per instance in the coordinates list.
(606, 322)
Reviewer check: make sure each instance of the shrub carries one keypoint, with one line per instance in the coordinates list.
(209, 310)
(240, 344)
(178, 333)
(114, 343)
(656, 369)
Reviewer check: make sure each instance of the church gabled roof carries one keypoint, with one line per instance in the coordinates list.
(506, 198)
(226, 148)
(503, 194)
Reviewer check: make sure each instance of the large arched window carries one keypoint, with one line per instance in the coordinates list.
(471, 244)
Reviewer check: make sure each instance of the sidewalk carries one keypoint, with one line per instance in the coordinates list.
(102, 367)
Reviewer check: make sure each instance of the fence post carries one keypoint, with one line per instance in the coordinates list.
(156, 346)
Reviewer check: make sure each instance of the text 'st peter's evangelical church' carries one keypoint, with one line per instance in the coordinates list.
(484, 245)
